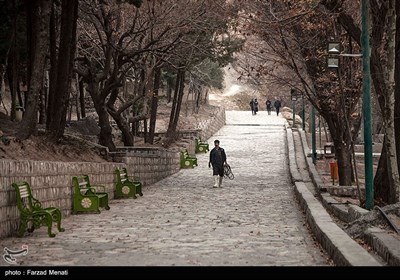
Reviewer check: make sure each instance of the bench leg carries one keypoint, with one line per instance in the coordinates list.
(139, 190)
(57, 218)
(22, 227)
(31, 229)
(49, 222)
(134, 190)
(106, 204)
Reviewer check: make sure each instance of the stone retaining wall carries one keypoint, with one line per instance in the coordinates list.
(346, 191)
(51, 181)
(209, 127)
(151, 164)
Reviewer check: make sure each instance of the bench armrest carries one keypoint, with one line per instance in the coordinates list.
(94, 187)
(36, 205)
(133, 178)
(88, 188)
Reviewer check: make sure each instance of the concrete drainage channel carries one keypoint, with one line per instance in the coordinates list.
(343, 250)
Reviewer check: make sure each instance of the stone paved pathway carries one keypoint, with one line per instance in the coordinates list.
(252, 220)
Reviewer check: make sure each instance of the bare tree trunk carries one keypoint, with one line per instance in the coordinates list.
(175, 110)
(380, 75)
(43, 98)
(66, 55)
(2, 85)
(154, 104)
(13, 80)
(69, 104)
(13, 64)
(343, 156)
(53, 66)
(82, 98)
(198, 99)
(76, 97)
(392, 169)
(179, 101)
(342, 142)
(2, 82)
(143, 88)
(381, 180)
(122, 123)
(397, 94)
(169, 92)
(105, 137)
(127, 136)
(40, 26)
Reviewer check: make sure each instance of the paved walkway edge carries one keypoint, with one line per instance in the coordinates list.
(294, 172)
(343, 250)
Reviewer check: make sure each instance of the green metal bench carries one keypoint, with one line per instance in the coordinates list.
(187, 160)
(32, 212)
(127, 186)
(86, 197)
(201, 147)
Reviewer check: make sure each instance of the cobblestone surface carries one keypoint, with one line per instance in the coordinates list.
(252, 220)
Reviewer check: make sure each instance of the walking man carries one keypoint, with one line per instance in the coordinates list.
(217, 160)
(268, 104)
(277, 105)
(252, 107)
(255, 106)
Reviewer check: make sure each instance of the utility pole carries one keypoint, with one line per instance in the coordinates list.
(369, 180)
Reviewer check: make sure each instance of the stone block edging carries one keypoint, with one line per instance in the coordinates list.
(343, 250)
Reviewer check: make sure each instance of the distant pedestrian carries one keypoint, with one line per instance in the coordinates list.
(254, 106)
(277, 105)
(268, 104)
(218, 161)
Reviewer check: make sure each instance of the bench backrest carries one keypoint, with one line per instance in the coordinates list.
(122, 175)
(81, 184)
(184, 154)
(25, 202)
(200, 141)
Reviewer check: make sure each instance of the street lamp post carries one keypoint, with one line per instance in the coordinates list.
(313, 137)
(303, 114)
(333, 62)
(369, 187)
(294, 98)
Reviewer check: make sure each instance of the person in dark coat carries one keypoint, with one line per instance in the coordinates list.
(268, 104)
(217, 160)
(277, 105)
(255, 105)
(252, 106)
